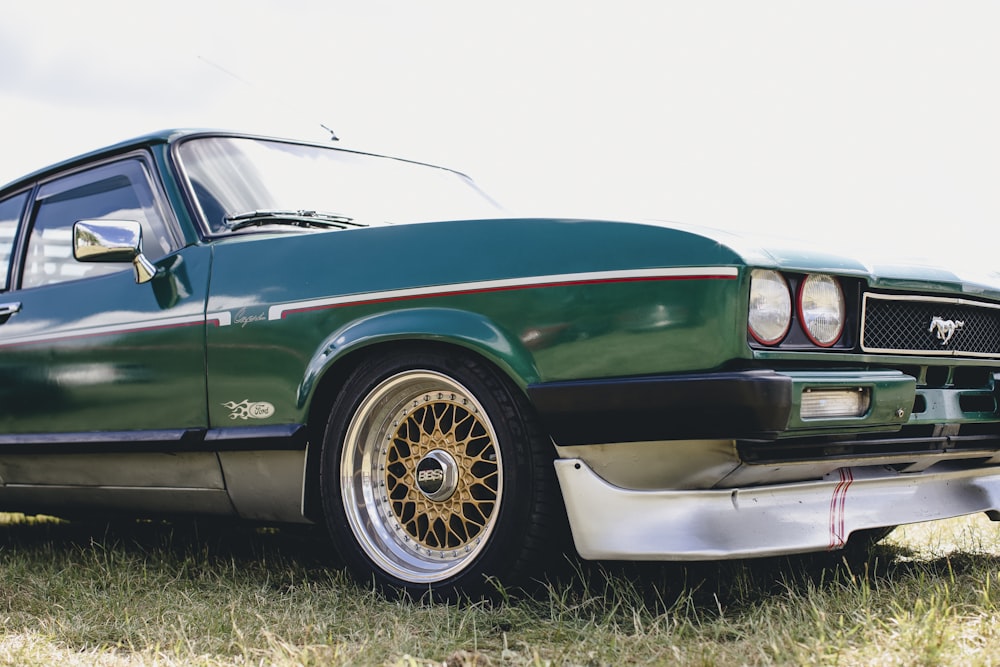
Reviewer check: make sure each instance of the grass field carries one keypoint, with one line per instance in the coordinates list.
(187, 594)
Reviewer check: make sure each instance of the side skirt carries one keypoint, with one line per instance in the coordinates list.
(254, 473)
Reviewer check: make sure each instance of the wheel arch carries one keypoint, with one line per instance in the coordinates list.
(445, 330)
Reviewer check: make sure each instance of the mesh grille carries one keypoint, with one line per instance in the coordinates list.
(922, 326)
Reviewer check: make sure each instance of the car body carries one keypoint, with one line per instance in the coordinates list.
(209, 323)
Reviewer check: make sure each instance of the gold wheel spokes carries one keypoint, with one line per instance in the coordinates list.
(441, 472)
(421, 475)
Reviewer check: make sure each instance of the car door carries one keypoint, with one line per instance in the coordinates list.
(87, 353)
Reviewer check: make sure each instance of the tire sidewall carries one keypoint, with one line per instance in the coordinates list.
(494, 564)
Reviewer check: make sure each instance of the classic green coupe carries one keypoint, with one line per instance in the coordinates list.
(217, 324)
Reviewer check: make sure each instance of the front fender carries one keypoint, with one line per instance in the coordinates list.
(459, 327)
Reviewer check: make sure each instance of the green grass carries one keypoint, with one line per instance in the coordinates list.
(187, 594)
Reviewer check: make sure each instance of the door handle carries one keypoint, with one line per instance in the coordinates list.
(8, 309)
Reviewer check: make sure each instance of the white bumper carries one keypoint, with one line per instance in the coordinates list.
(612, 523)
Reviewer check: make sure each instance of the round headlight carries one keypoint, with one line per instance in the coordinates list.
(821, 309)
(770, 306)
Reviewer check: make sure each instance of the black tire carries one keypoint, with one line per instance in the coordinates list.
(861, 543)
(435, 477)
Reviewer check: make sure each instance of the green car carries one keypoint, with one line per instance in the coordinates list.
(207, 323)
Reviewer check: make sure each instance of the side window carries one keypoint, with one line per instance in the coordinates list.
(119, 191)
(10, 215)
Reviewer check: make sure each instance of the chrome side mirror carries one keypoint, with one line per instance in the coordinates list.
(112, 241)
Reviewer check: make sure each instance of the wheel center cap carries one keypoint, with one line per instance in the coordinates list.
(437, 475)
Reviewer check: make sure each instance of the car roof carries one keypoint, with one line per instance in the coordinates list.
(144, 141)
(167, 136)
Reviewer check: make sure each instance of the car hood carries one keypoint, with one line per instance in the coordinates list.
(882, 268)
(501, 248)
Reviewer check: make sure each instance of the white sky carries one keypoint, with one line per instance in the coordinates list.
(833, 121)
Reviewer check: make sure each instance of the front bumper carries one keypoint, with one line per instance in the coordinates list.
(748, 404)
(612, 523)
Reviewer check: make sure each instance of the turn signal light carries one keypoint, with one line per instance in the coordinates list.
(835, 403)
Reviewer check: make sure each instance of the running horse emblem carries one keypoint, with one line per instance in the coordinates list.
(944, 329)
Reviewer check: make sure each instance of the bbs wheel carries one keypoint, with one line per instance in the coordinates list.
(434, 476)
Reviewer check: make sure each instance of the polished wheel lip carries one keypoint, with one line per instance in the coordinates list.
(365, 496)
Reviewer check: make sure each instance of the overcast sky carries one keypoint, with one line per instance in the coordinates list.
(832, 121)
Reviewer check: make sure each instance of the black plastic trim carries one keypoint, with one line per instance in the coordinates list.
(249, 438)
(280, 436)
(742, 404)
(911, 444)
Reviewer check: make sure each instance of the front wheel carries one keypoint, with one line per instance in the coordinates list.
(435, 477)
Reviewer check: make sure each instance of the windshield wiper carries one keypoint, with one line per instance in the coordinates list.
(301, 218)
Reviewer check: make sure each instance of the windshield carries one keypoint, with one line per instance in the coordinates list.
(231, 176)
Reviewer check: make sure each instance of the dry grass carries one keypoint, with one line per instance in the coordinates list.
(184, 594)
